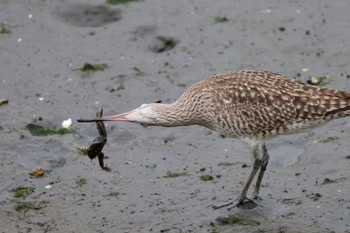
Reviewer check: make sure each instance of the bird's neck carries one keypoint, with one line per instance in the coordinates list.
(175, 114)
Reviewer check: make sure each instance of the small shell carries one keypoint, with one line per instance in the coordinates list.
(37, 172)
(67, 123)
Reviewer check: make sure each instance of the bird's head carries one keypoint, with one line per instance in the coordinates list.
(146, 114)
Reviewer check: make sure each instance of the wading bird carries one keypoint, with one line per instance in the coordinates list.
(251, 105)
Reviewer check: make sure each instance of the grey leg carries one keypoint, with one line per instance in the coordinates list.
(243, 195)
(264, 162)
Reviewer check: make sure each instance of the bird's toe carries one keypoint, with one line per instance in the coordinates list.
(227, 203)
(242, 203)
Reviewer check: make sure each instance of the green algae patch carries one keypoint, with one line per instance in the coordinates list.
(318, 80)
(4, 29)
(219, 19)
(25, 206)
(206, 177)
(212, 228)
(329, 139)
(92, 67)
(234, 219)
(80, 182)
(138, 71)
(54, 163)
(22, 192)
(330, 181)
(38, 130)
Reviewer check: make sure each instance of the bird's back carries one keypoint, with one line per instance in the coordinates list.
(261, 104)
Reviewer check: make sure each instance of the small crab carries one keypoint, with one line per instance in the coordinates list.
(95, 149)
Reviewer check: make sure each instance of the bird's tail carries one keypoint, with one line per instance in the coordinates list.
(344, 111)
(336, 103)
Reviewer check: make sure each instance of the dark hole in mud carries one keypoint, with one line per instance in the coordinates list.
(84, 15)
(161, 44)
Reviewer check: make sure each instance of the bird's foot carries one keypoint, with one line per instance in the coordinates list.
(241, 202)
(106, 168)
(227, 203)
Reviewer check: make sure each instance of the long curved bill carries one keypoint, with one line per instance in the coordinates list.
(119, 117)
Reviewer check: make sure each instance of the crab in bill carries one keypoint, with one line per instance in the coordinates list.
(95, 148)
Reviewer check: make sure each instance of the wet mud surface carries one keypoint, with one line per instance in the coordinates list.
(154, 51)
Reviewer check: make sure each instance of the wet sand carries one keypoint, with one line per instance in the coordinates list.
(307, 184)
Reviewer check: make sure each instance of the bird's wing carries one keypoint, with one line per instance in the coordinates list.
(256, 108)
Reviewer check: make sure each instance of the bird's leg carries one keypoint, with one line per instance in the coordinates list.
(264, 162)
(243, 195)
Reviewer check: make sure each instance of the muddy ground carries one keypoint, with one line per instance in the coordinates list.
(307, 185)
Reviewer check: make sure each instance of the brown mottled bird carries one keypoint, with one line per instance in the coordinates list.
(251, 105)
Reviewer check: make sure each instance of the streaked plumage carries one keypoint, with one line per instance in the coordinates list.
(256, 104)
(252, 105)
